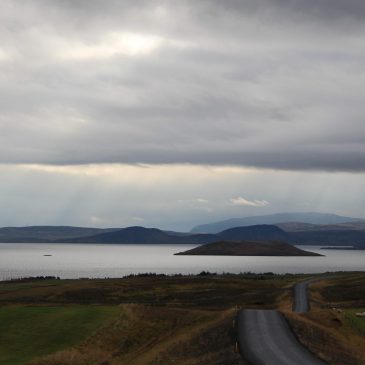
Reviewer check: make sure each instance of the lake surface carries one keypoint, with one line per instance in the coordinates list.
(99, 261)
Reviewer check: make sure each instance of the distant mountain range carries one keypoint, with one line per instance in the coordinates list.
(328, 238)
(136, 235)
(309, 218)
(46, 233)
(141, 235)
(339, 232)
(302, 227)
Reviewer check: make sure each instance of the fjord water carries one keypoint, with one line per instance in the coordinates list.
(100, 261)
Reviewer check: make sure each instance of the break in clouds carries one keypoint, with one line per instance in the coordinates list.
(274, 84)
(167, 196)
(177, 113)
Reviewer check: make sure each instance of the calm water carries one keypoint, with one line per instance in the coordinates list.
(98, 261)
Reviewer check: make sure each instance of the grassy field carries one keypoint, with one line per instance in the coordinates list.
(331, 329)
(344, 290)
(195, 310)
(27, 332)
(158, 320)
(206, 291)
(145, 335)
(356, 322)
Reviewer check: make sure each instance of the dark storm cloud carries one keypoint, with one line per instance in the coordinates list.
(274, 84)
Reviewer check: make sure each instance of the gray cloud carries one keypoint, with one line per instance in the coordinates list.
(275, 84)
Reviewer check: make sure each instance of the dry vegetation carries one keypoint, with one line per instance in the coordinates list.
(160, 320)
(144, 335)
(327, 330)
(183, 320)
(205, 291)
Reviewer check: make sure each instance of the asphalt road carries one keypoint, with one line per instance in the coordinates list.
(301, 301)
(266, 339)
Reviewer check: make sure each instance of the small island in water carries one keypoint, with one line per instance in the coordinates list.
(248, 248)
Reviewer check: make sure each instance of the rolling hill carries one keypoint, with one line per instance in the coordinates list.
(142, 235)
(311, 218)
(262, 232)
(328, 238)
(351, 233)
(248, 248)
(133, 235)
(46, 233)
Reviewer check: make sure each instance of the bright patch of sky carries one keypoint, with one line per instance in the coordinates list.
(119, 113)
(167, 196)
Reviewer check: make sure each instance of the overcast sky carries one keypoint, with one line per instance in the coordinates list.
(171, 113)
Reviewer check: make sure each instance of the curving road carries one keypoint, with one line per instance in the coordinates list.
(265, 337)
(301, 301)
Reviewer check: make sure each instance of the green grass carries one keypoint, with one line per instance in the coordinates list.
(28, 332)
(357, 322)
(112, 321)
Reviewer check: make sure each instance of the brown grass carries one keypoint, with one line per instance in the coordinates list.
(188, 320)
(326, 334)
(194, 292)
(162, 320)
(155, 336)
(343, 290)
(325, 330)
